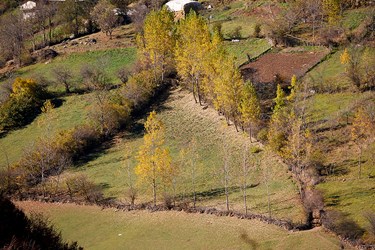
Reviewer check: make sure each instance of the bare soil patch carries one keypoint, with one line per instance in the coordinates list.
(283, 65)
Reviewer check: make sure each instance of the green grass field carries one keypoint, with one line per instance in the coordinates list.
(252, 47)
(72, 112)
(94, 228)
(332, 113)
(110, 60)
(184, 120)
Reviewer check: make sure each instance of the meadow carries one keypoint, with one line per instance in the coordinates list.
(185, 120)
(95, 228)
(111, 61)
(72, 111)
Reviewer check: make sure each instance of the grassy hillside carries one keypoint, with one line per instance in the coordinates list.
(185, 120)
(72, 112)
(94, 228)
(252, 47)
(331, 116)
(110, 60)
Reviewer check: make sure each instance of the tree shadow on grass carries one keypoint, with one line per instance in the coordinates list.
(57, 102)
(216, 192)
(134, 130)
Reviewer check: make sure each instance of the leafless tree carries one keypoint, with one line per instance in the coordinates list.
(63, 75)
(44, 14)
(13, 35)
(104, 15)
(245, 173)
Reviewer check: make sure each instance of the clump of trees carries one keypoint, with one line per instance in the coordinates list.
(324, 19)
(104, 15)
(23, 104)
(359, 67)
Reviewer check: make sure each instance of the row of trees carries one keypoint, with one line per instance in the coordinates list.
(201, 62)
(179, 178)
(206, 69)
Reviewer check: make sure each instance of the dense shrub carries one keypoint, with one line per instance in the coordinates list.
(24, 103)
(139, 88)
(80, 186)
(51, 156)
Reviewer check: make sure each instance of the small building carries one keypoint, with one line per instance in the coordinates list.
(182, 7)
(28, 6)
(28, 9)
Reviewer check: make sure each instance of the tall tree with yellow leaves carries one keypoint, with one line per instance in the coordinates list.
(154, 161)
(158, 41)
(276, 132)
(193, 43)
(249, 107)
(228, 89)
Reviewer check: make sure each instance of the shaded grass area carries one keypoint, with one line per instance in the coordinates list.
(185, 120)
(110, 60)
(330, 75)
(354, 197)
(72, 112)
(94, 228)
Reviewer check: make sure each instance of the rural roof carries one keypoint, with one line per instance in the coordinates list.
(178, 5)
(29, 5)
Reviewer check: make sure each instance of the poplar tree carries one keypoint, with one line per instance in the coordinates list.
(293, 89)
(276, 132)
(249, 107)
(158, 41)
(193, 43)
(228, 89)
(154, 161)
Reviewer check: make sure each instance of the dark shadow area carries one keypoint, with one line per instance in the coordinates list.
(334, 200)
(57, 102)
(251, 243)
(93, 154)
(133, 130)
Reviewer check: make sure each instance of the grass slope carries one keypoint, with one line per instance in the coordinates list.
(252, 47)
(72, 112)
(185, 120)
(95, 228)
(331, 115)
(110, 60)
